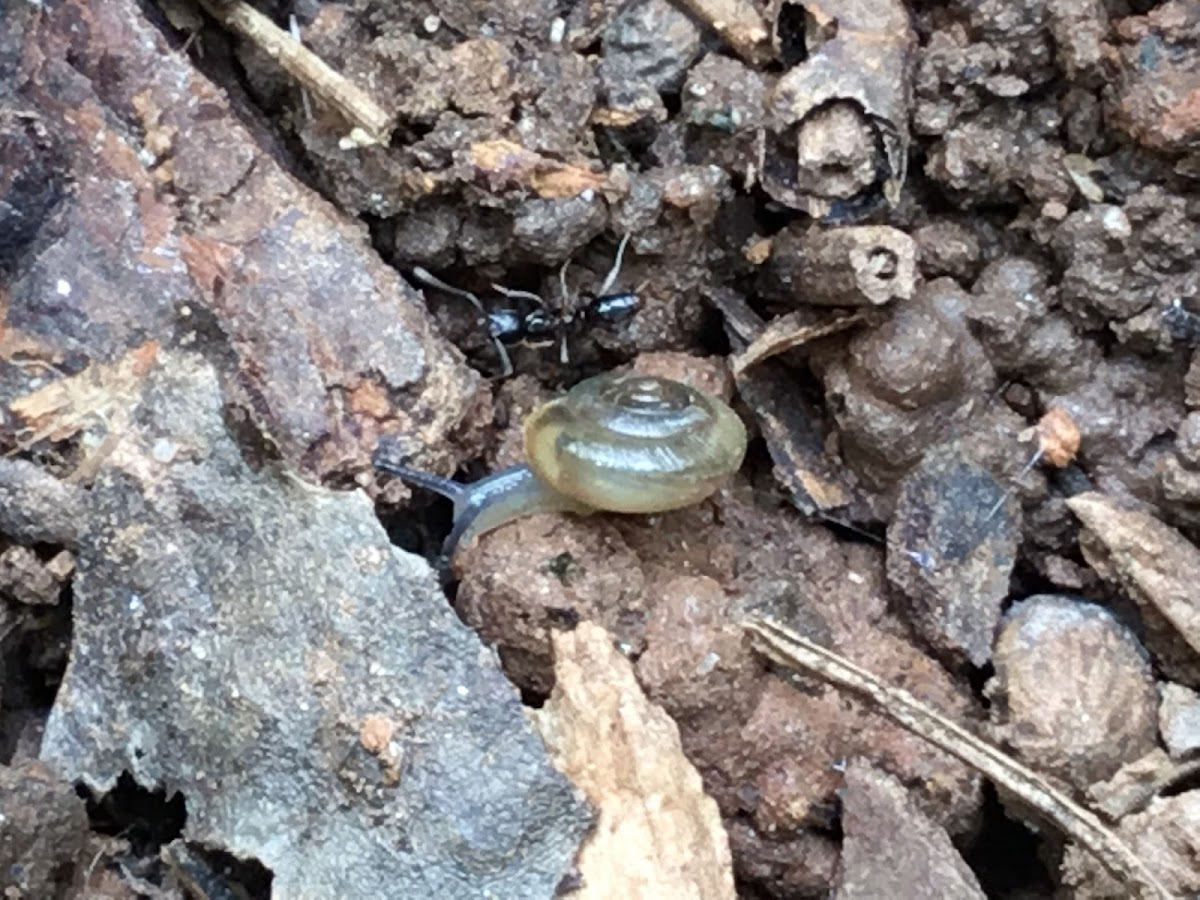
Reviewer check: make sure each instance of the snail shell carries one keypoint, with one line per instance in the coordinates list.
(634, 443)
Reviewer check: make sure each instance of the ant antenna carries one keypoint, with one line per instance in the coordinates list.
(611, 278)
(426, 277)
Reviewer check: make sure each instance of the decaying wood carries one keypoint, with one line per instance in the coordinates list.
(789, 426)
(791, 650)
(659, 834)
(867, 265)
(550, 179)
(837, 139)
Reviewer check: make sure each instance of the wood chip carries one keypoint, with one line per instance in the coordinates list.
(1156, 565)
(548, 178)
(658, 834)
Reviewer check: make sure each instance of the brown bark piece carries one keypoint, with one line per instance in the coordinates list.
(794, 435)
(794, 439)
(206, 240)
(867, 265)
(1156, 566)
(658, 833)
(891, 848)
(507, 164)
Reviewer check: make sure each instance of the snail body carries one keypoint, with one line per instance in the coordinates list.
(615, 443)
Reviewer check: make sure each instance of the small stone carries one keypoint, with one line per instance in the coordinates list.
(43, 829)
(1074, 692)
(1187, 441)
(947, 248)
(950, 550)
(1191, 383)
(25, 578)
(891, 846)
(1179, 719)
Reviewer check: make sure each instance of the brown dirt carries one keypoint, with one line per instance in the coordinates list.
(1009, 190)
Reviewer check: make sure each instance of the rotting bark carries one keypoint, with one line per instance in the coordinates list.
(836, 143)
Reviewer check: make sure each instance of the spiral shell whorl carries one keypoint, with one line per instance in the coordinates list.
(635, 443)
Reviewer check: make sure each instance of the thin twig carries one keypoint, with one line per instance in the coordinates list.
(789, 649)
(313, 73)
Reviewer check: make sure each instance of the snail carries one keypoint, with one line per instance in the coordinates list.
(614, 443)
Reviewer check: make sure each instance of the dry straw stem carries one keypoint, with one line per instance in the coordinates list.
(789, 649)
(306, 67)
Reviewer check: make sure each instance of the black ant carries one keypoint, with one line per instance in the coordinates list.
(543, 326)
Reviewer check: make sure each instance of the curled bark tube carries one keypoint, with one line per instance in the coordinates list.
(836, 142)
(866, 265)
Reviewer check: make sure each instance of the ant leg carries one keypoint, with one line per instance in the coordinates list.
(565, 315)
(426, 277)
(506, 366)
(565, 293)
(611, 278)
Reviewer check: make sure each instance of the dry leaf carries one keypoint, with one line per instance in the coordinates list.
(795, 441)
(795, 329)
(657, 833)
